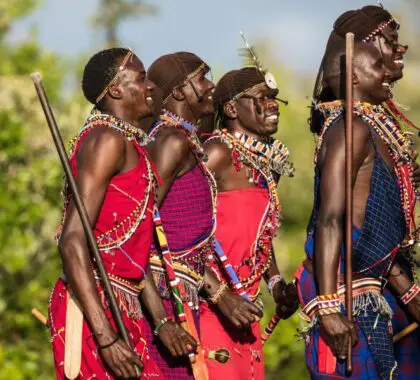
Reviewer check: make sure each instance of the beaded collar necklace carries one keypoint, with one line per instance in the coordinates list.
(398, 146)
(274, 152)
(98, 119)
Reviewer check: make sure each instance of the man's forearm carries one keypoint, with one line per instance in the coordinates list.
(79, 272)
(152, 301)
(329, 238)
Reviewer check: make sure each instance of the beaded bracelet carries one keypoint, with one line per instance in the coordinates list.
(215, 297)
(109, 344)
(328, 303)
(160, 325)
(408, 296)
(273, 281)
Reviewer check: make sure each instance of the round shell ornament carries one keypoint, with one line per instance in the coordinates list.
(270, 81)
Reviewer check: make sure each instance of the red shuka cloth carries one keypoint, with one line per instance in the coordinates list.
(239, 215)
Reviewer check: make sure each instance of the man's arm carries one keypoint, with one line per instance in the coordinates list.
(169, 153)
(329, 227)
(100, 158)
(400, 284)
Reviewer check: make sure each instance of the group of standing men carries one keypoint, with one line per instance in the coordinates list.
(170, 211)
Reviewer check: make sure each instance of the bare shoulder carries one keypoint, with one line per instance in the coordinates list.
(103, 146)
(171, 139)
(218, 153)
(361, 131)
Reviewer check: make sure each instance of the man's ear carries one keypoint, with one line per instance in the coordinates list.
(355, 79)
(178, 94)
(115, 91)
(230, 110)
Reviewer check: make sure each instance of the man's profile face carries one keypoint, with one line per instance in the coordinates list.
(392, 51)
(203, 87)
(374, 78)
(137, 90)
(258, 111)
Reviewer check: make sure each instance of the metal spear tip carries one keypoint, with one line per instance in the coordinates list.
(36, 77)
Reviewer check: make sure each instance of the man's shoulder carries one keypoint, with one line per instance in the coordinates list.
(219, 154)
(171, 138)
(103, 138)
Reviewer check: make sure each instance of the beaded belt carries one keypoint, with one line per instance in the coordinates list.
(359, 286)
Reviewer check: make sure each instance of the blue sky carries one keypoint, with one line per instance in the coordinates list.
(295, 30)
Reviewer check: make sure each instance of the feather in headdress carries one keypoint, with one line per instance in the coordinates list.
(250, 55)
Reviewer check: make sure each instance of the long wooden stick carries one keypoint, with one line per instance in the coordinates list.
(36, 78)
(403, 333)
(349, 189)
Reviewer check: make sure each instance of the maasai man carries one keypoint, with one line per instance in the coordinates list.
(382, 196)
(187, 197)
(373, 24)
(117, 184)
(247, 163)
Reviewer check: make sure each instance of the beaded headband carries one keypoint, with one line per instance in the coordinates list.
(187, 79)
(114, 79)
(378, 30)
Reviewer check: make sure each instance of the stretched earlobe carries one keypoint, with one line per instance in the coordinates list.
(178, 94)
(230, 111)
(115, 91)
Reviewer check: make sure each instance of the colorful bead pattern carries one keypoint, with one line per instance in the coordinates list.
(409, 295)
(328, 303)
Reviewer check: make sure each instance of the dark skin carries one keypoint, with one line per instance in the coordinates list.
(256, 114)
(393, 52)
(172, 155)
(370, 84)
(104, 154)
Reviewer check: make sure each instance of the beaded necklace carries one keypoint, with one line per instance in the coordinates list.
(398, 147)
(275, 153)
(125, 228)
(168, 119)
(250, 157)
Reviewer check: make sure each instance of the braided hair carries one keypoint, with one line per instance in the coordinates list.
(99, 71)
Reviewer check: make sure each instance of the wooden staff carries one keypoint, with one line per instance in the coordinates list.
(403, 333)
(36, 78)
(349, 189)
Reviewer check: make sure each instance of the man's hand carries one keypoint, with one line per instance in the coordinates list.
(286, 299)
(176, 339)
(121, 360)
(337, 329)
(238, 310)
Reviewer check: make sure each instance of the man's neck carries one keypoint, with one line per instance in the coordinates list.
(239, 128)
(123, 115)
(182, 109)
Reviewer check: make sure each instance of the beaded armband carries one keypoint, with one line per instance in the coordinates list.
(328, 303)
(216, 296)
(408, 296)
